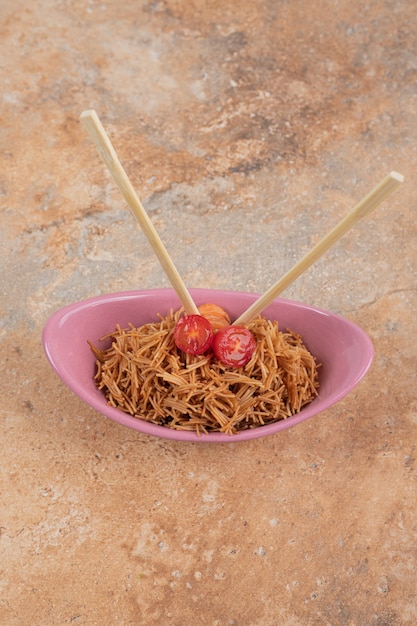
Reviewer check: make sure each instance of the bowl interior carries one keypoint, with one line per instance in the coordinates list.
(343, 349)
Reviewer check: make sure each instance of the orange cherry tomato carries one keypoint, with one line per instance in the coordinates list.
(215, 314)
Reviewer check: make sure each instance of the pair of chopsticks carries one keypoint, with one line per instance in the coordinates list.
(106, 151)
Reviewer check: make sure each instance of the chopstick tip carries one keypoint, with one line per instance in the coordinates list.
(398, 177)
(88, 113)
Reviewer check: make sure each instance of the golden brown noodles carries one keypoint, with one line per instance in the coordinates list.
(143, 373)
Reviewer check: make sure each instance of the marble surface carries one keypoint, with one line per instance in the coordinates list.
(249, 129)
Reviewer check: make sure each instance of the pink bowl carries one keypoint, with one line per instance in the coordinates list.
(343, 349)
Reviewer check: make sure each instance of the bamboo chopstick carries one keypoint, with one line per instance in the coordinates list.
(106, 151)
(364, 207)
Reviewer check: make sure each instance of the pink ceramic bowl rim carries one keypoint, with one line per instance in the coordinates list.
(348, 361)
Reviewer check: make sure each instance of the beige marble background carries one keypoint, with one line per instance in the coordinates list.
(249, 129)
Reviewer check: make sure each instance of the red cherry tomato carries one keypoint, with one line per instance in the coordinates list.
(234, 345)
(193, 334)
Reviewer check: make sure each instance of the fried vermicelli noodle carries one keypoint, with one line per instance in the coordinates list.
(144, 374)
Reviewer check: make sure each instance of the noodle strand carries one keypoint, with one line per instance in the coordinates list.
(144, 374)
